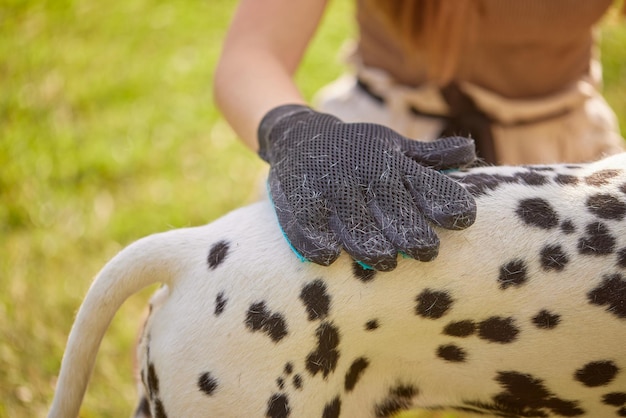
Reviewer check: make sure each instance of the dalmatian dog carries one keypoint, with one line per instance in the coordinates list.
(522, 314)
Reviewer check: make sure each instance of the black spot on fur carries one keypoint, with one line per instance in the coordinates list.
(217, 254)
(278, 406)
(612, 293)
(159, 409)
(537, 212)
(259, 318)
(354, 373)
(324, 357)
(532, 178)
(460, 328)
(371, 325)
(602, 177)
(361, 273)
(297, 381)
(539, 167)
(332, 409)
(220, 303)
(433, 304)
(527, 396)
(480, 183)
(280, 383)
(614, 399)
(621, 258)
(564, 408)
(398, 399)
(553, 258)
(316, 300)
(288, 368)
(404, 391)
(606, 206)
(153, 381)
(546, 320)
(143, 409)
(567, 227)
(566, 179)
(390, 407)
(598, 240)
(502, 406)
(207, 383)
(512, 273)
(597, 373)
(498, 330)
(451, 353)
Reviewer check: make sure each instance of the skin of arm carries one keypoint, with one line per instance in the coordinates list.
(262, 50)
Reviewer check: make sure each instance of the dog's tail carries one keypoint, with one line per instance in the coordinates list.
(150, 260)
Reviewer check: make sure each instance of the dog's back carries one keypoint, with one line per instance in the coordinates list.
(522, 314)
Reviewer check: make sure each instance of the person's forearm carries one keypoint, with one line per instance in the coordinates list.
(245, 94)
(261, 52)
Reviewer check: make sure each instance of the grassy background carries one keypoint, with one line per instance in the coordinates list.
(108, 133)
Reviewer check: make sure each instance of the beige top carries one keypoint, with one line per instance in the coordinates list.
(516, 48)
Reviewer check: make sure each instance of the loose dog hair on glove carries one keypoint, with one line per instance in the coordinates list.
(523, 314)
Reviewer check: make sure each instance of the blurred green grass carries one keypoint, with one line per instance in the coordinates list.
(108, 133)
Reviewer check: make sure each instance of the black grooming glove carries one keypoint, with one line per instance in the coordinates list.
(361, 187)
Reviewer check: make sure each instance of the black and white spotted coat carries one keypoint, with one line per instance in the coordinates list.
(521, 315)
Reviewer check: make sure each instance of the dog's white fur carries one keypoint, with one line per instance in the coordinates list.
(186, 338)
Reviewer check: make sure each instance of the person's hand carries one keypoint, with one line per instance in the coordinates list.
(361, 187)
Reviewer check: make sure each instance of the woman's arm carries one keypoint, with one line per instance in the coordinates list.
(261, 52)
